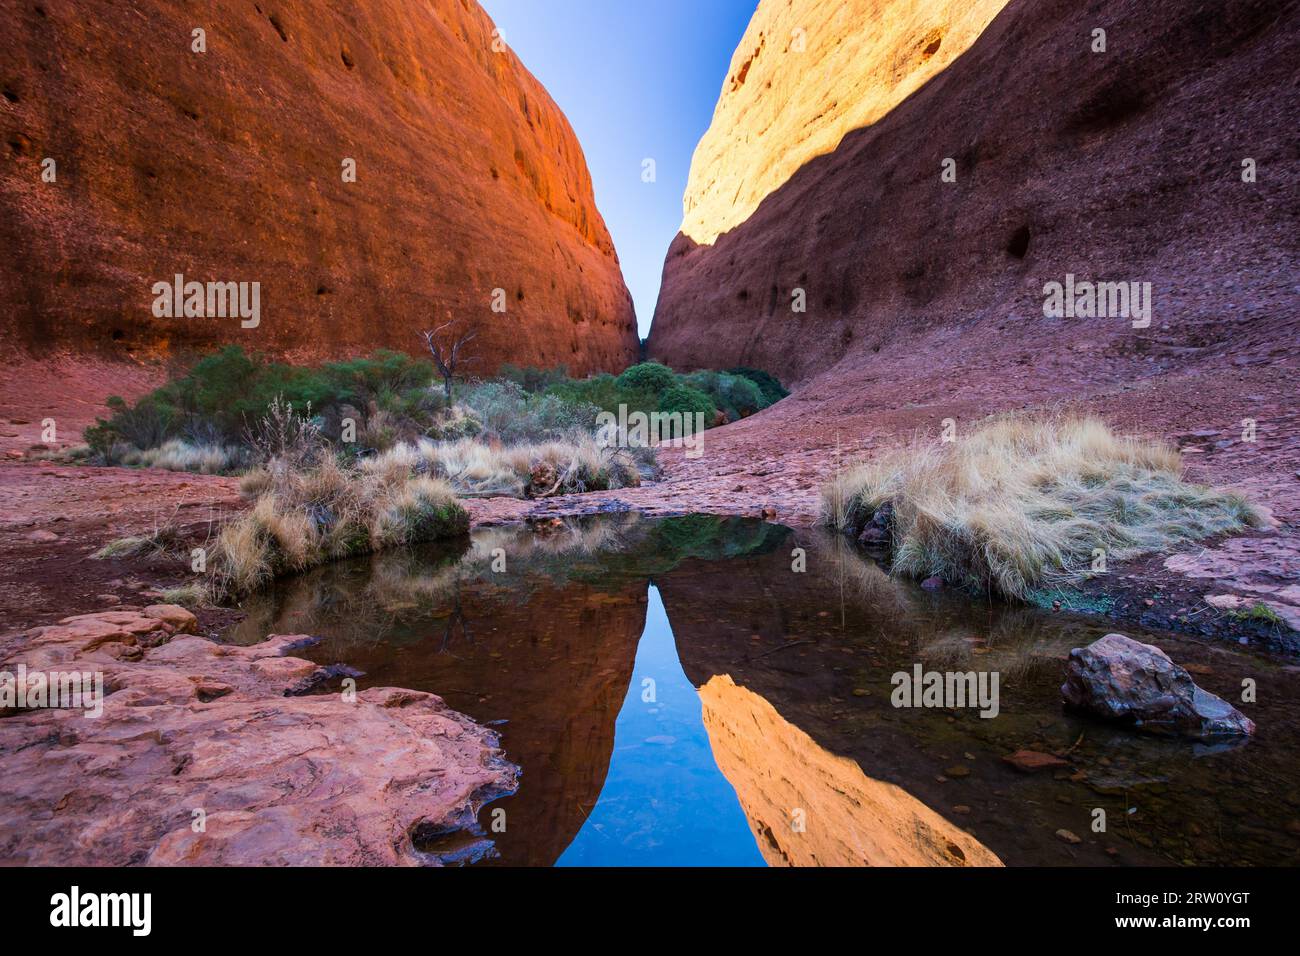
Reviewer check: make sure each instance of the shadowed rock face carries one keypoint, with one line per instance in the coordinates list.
(227, 166)
(1124, 165)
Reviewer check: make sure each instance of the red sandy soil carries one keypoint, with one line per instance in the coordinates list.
(70, 390)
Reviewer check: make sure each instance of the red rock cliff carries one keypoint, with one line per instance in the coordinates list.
(227, 166)
(822, 175)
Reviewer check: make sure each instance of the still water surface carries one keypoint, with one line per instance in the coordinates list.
(675, 693)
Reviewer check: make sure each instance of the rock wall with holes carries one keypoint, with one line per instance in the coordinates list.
(1114, 155)
(131, 156)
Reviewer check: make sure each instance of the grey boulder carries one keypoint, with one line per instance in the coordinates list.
(1118, 678)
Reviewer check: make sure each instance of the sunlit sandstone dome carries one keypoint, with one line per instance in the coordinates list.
(228, 164)
(804, 75)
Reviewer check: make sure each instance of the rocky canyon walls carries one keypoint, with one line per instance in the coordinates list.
(901, 169)
(136, 149)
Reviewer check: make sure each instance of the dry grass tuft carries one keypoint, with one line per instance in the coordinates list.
(166, 536)
(178, 455)
(307, 516)
(475, 469)
(1026, 499)
(186, 595)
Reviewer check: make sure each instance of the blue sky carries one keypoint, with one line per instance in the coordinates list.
(637, 80)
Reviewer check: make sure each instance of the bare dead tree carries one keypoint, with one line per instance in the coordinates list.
(446, 344)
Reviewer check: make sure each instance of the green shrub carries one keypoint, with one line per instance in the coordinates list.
(385, 373)
(767, 383)
(148, 424)
(604, 392)
(737, 396)
(531, 378)
(688, 401)
(648, 377)
(514, 415)
(227, 400)
(226, 394)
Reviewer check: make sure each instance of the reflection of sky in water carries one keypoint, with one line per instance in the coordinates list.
(664, 802)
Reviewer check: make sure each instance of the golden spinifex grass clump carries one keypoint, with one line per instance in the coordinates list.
(306, 515)
(1025, 500)
(538, 470)
(178, 455)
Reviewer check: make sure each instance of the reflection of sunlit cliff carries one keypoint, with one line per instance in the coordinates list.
(804, 75)
(848, 819)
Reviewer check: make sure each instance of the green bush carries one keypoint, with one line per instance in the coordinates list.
(738, 397)
(386, 378)
(767, 383)
(147, 425)
(688, 401)
(225, 394)
(604, 392)
(531, 378)
(648, 377)
(513, 415)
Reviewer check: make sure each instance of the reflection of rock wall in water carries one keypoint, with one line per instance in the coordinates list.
(553, 661)
(849, 819)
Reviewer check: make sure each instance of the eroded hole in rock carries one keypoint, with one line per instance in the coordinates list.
(743, 295)
(117, 335)
(323, 289)
(930, 45)
(279, 27)
(10, 95)
(346, 57)
(1018, 245)
(19, 143)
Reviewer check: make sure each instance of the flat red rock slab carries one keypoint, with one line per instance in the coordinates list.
(1031, 760)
